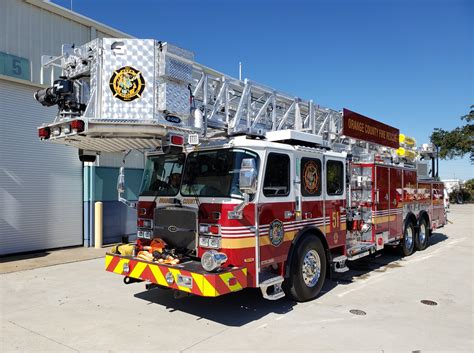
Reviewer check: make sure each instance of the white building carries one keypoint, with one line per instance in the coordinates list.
(452, 184)
(43, 199)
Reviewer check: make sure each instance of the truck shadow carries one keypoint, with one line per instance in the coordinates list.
(383, 261)
(235, 309)
(240, 308)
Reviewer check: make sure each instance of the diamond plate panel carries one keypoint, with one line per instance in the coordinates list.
(174, 98)
(172, 67)
(119, 53)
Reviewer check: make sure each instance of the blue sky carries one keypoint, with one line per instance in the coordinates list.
(408, 63)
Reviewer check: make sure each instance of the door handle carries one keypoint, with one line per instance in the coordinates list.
(289, 214)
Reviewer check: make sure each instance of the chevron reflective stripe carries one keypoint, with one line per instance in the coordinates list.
(207, 284)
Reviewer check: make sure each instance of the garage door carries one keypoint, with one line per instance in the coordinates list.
(40, 183)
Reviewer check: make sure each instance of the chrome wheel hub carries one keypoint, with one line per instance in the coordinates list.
(409, 238)
(311, 268)
(422, 234)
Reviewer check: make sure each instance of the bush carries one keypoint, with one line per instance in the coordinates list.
(465, 194)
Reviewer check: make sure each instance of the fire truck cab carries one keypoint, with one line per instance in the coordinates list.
(276, 212)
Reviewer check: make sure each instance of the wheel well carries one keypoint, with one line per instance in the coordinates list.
(412, 219)
(307, 232)
(424, 215)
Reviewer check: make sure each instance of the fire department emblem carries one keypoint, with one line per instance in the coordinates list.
(127, 84)
(310, 177)
(276, 232)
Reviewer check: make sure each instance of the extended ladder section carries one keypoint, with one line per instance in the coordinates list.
(129, 93)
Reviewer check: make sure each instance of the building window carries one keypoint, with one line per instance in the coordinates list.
(334, 178)
(277, 175)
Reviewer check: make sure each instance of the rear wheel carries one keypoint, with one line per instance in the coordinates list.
(307, 271)
(421, 239)
(408, 242)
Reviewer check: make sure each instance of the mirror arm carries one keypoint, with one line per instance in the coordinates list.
(121, 180)
(127, 203)
(236, 213)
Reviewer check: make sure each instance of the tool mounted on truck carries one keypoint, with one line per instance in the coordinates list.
(244, 185)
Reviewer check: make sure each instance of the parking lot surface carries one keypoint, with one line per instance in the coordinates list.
(375, 307)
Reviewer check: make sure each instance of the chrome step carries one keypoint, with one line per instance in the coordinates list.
(339, 264)
(360, 250)
(271, 287)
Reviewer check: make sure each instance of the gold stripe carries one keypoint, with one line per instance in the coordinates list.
(383, 219)
(238, 243)
(137, 270)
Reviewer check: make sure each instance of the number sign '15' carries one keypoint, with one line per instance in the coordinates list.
(11, 65)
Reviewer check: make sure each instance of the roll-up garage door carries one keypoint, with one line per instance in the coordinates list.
(40, 183)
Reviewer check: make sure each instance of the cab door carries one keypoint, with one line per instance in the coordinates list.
(310, 171)
(277, 207)
(335, 200)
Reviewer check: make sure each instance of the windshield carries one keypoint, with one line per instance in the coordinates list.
(162, 175)
(214, 173)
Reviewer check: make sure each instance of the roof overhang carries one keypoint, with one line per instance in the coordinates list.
(74, 16)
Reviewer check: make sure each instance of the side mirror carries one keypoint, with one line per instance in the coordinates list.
(121, 181)
(248, 176)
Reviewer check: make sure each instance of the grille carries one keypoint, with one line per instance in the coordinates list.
(176, 226)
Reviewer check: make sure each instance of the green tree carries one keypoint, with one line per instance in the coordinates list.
(457, 142)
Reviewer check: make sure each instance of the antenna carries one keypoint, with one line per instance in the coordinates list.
(240, 70)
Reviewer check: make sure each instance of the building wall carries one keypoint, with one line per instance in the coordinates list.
(40, 183)
(44, 202)
(29, 29)
(118, 219)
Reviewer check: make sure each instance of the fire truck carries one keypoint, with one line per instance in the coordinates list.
(244, 185)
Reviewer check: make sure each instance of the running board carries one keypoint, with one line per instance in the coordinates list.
(272, 288)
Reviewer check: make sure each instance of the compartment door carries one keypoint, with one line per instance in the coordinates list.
(396, 206)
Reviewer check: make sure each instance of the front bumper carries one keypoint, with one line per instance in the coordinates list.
(188, 277)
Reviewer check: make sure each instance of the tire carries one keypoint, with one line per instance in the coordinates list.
(408, 242)
(304, 283)
(421, 238)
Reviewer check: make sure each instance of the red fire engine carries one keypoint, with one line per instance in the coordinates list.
(244, 186)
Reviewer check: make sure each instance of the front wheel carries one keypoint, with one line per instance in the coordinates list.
(307, 270)
(421, 239)
(408, 242)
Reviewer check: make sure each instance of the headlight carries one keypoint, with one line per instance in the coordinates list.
(144, 234)
(212, 260)
(210, 242)
(214, 243)
(204, 242)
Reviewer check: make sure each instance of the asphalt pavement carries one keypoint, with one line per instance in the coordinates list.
(375, 307)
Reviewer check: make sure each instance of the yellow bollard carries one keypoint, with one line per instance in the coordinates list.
(98, 225)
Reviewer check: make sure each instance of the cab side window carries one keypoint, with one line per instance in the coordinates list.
(310, 177)
(334, 178)
(277, 175)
